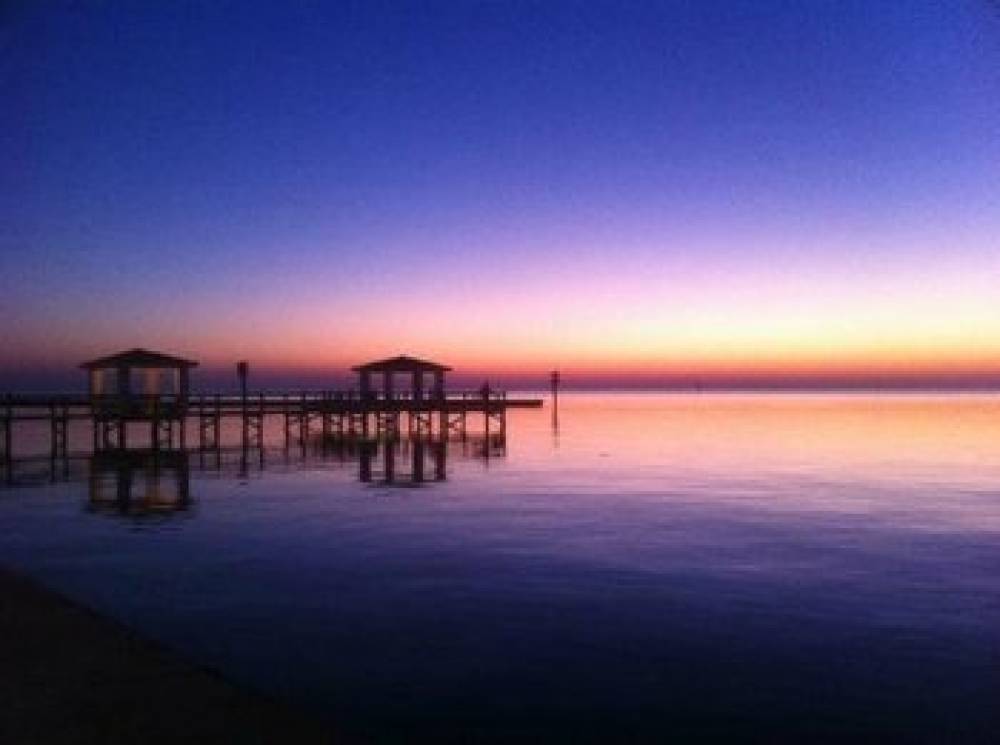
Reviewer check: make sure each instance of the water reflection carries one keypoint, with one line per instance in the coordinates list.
(385, 467)
(158, 481)
(775, 569)
(139, 483)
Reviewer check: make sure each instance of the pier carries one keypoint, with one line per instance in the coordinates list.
(150, 390)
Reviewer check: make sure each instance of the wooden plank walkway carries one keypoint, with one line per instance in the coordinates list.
(337, 413)
(78, 406)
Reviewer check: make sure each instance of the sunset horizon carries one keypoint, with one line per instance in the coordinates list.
(802, 195)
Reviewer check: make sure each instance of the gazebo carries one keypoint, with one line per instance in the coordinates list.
(402, 365)
(138, 385)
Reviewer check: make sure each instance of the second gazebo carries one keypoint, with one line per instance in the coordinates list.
(413, 367)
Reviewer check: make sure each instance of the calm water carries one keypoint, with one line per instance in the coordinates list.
(733, 566)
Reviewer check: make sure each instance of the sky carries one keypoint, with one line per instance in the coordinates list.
(663, 193)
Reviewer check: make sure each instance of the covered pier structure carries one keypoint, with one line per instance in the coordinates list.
(152, 390)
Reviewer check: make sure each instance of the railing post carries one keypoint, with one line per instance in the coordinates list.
(260, 425)
(303, 421)
(156, 424)
(217, 422)
(53, 429)
(8, 424)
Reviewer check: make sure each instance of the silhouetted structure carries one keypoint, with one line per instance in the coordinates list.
(387, 415)
(402, 365)
(555, 380)
(151, 387)
(137, 385)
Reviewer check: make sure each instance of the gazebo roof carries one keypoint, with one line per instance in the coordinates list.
(401, 363)
(138, 358)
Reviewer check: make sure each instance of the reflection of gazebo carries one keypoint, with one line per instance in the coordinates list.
(402, 365)
(139, 482)
(418, 449)
(138, 385)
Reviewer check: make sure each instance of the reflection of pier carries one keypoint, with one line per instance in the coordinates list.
(138, 483)
(149, 390)
(414, 453)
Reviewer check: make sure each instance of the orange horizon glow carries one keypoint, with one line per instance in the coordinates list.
(896, 361)
(692, 324)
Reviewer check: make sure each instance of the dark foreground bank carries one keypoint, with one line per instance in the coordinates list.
(70, 676)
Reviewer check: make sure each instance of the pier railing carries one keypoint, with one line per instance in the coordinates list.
(337, 411)
(171, 405)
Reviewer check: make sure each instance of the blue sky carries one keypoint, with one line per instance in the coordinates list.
(287, 181)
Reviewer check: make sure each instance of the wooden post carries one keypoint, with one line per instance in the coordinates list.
(303, 423)
(155, 424)
(64, 443)
(202, 423)
(8, 424)
(440, 451)
(242, 368)
(288, 424)
(217, 420)
(260, 426)
(389, 461)
(555, 380)
(417, 467)
(53, 430)
(182, 478)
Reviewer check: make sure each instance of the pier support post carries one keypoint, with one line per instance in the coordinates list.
(242, 369)
(440, 455)
(216, 424)
(417, 466)
(365, 463)
(154, 423)
(7, 425)
(288, 421)
(303, 422)
(58, 423)
(389, 461)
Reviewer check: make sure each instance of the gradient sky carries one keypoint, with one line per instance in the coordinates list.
(648, 190)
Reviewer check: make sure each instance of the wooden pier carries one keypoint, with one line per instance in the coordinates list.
(330, 413)
(365, 412)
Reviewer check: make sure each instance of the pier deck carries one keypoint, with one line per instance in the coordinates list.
(77, 406)
(333, 412)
